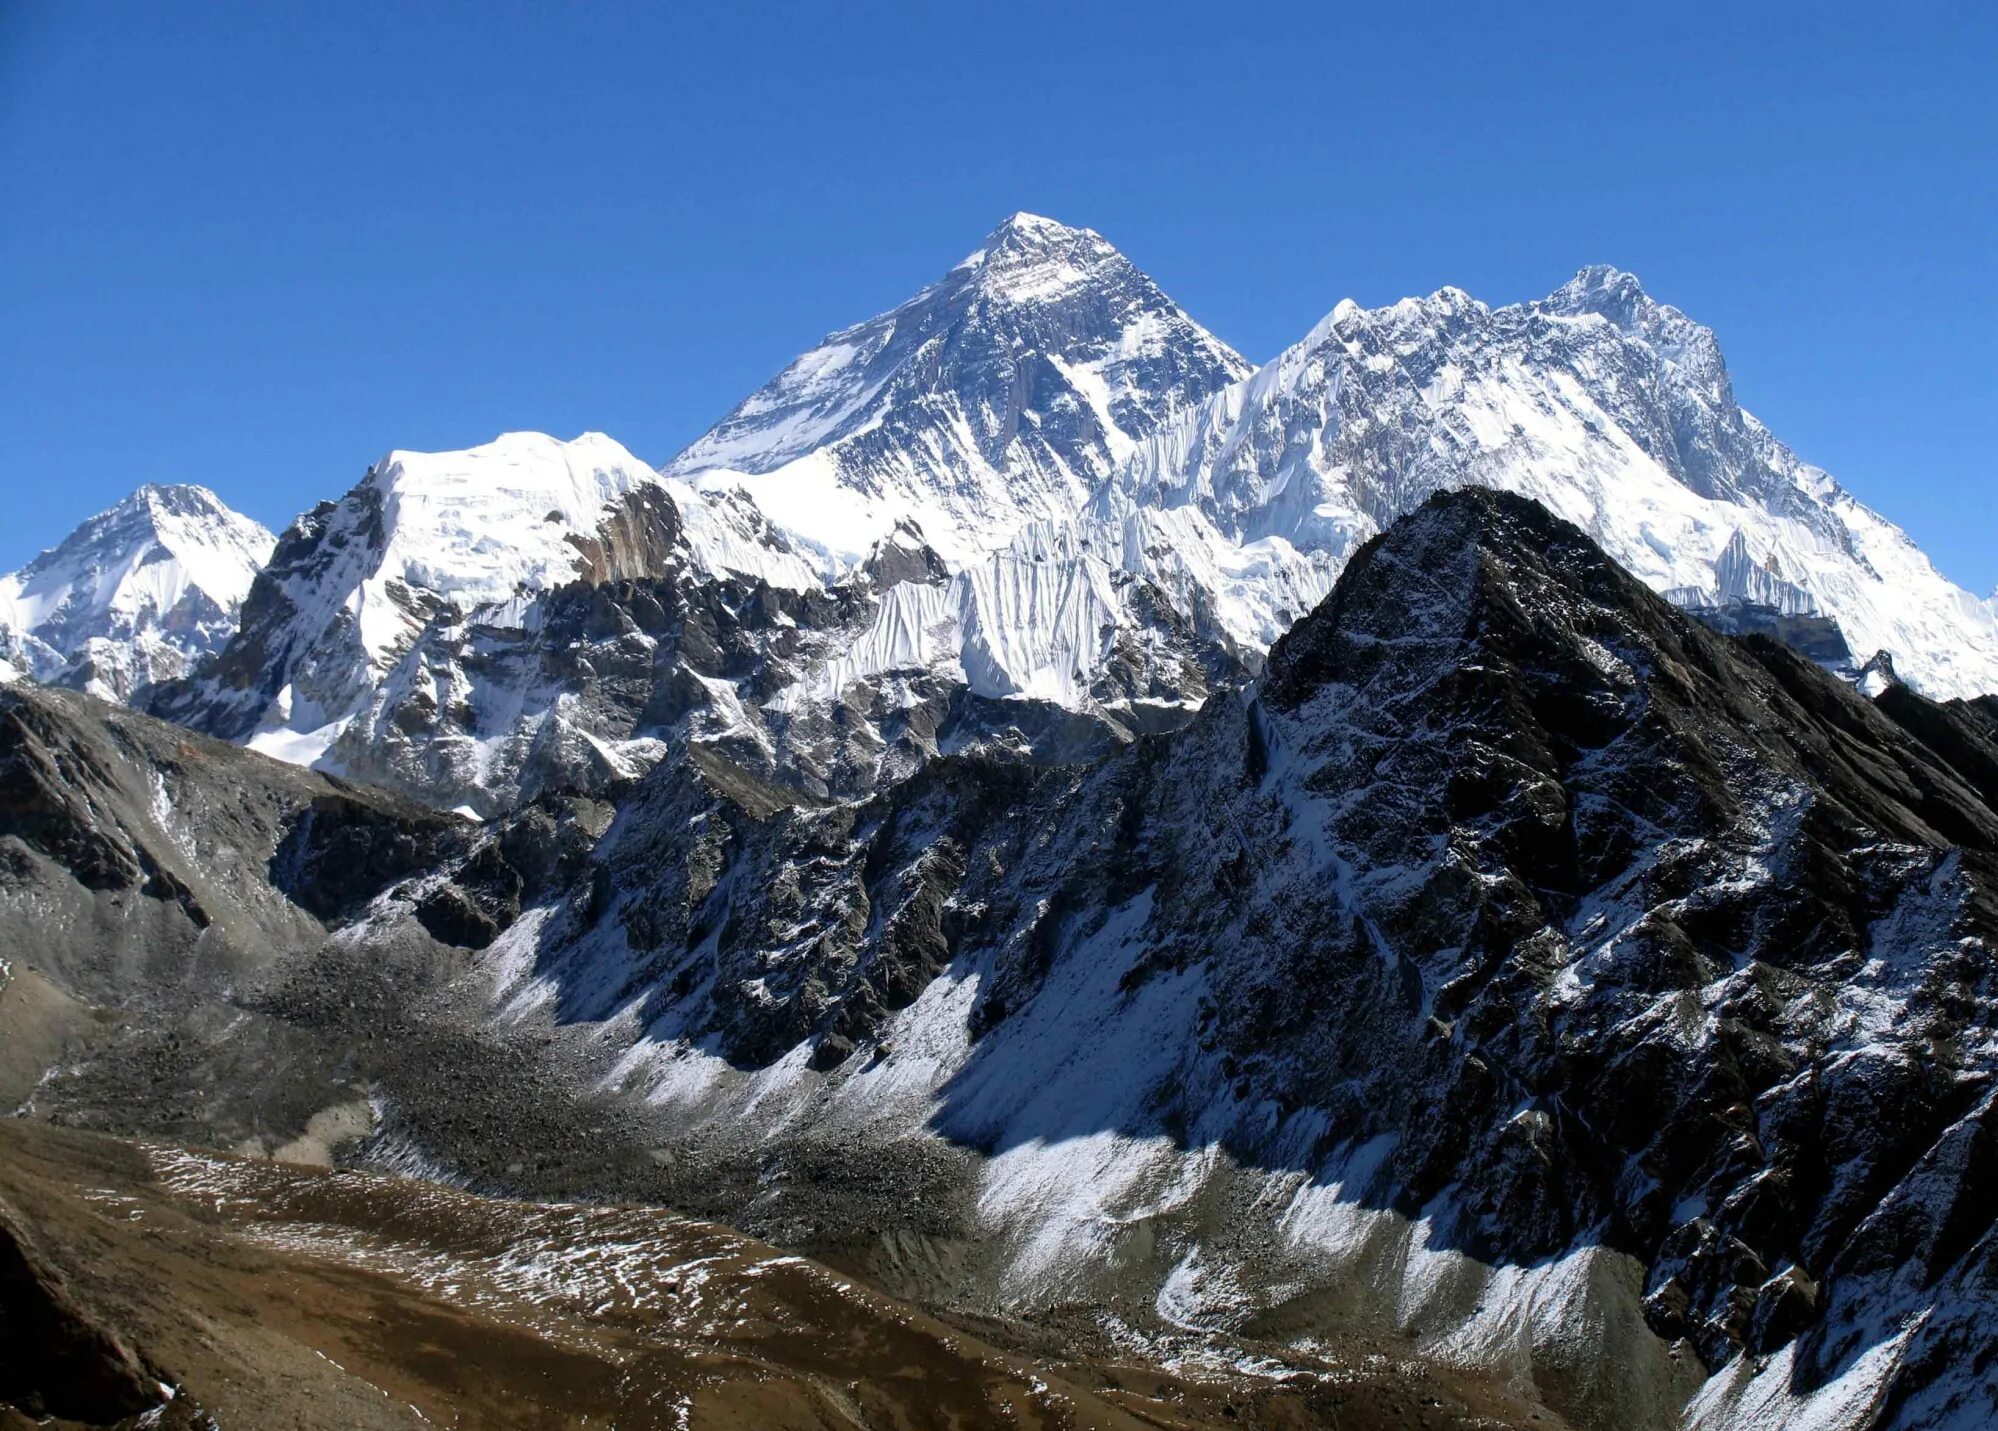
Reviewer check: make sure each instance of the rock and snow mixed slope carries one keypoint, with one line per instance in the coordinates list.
(403, 609)
(1518, 973)
(1521, 967)
(135, 595)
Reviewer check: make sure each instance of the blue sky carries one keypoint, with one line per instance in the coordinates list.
(256, 245)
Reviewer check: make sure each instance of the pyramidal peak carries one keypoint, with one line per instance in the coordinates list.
(1620, 298)
(135, 594)
(1002, 394)
(1030, 259)
(1022, 230)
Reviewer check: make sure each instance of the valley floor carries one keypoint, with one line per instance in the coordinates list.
(274, 1295)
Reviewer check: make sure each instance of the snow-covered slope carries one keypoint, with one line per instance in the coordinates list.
(431, 543)
(1002, 394)
(135, 594)
(1614, 410)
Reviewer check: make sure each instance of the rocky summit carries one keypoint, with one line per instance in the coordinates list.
(1516, 996)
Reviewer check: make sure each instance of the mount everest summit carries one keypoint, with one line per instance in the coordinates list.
(1250, 857)
(1006, 392)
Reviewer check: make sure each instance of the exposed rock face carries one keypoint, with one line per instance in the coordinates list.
(1611, 932)
(138, 856)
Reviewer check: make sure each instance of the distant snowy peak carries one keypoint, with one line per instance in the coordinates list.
(1000, 395)
(135, 594)
(1615, 411)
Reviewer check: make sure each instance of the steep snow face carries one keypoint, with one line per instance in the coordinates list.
(1002, 394)
(135, 595)
(1046, 618)
(441, 542)
(1614, 410)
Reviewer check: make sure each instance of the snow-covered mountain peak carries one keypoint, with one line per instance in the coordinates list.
(135, 593)
(481, 525)
(171, 516)
(1002, 394)
(407, 602)
(1619, 299)
(1029, 259)
(1614, 410)
(1606, 289)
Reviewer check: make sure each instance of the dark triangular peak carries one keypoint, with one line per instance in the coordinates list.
(1484, 611)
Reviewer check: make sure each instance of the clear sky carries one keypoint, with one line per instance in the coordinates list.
(255, 245)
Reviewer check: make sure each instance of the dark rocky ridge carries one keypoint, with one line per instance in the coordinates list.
(55, 1358)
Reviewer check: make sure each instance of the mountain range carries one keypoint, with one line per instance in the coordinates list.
(1037, 505)
(1410, 845)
